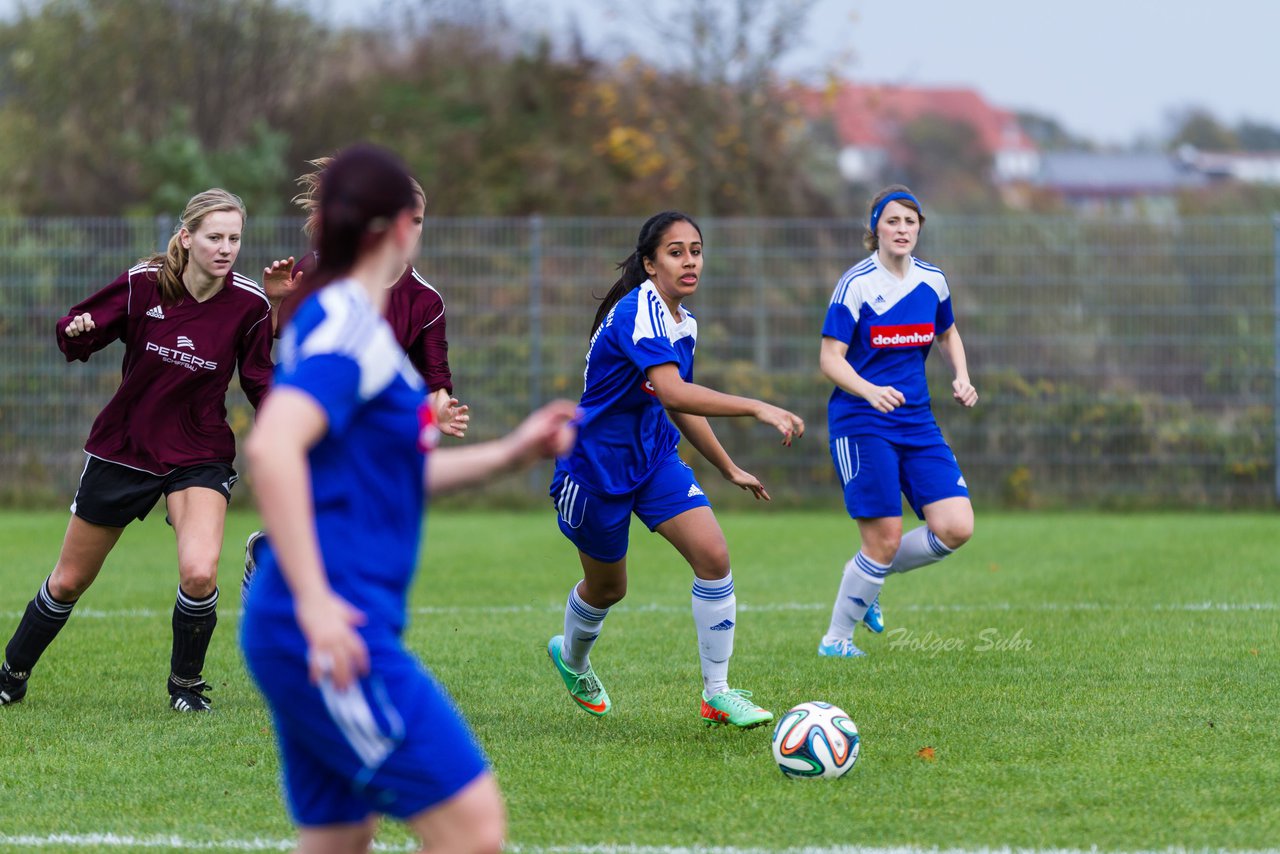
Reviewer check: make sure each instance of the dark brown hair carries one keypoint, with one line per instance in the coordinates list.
(633, 272)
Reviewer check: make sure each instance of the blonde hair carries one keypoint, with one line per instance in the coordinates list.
(309, 198)
(869, 239)
(174, 260)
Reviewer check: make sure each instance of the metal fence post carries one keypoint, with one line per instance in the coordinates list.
(1275, 368)
(535, 311)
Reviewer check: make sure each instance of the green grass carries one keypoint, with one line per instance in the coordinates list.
(1125, 716)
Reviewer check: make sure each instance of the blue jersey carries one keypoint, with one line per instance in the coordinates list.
(889, 325)
(366, 472)
(624, 432)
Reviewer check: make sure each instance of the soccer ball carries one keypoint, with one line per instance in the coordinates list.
(815, 740)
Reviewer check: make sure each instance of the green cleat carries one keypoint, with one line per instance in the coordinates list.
(585, 688)
(733, 706)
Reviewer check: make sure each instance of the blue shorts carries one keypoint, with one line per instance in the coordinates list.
(599, 524)
(392, 744)
(876, 472)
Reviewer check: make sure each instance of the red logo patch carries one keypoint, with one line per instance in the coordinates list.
(428, 432)
(905, 335)
(647, 388)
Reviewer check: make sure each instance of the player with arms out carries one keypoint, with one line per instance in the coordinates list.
(342, 467)
(886, 313)
(638, 381)
(187, 322)
(416, 313)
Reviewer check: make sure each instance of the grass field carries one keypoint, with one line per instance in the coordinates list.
(1081, 680)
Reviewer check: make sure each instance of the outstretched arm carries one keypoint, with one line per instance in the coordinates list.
(547, 432)
(680, 396)
(697, 429)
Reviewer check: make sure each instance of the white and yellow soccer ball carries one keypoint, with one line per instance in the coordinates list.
(815, 739)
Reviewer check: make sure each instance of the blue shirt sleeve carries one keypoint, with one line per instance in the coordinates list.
(944, 319)
(647, 352)
(839, 323)
(333, 381)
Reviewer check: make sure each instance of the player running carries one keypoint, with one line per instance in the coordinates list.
(887, 311)
(638, 381)
(340, 462)
(187, 322)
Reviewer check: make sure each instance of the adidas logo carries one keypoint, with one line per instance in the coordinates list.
(693, 490)
(861, 603)
(879, 299)
(722, 626)
(961, 482)
(157, 313)
(184, 341)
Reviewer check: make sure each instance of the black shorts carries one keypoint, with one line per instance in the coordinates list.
(114, 495)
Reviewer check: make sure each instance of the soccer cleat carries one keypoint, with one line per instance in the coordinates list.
(13, 686)
(839, 648)
(733, 706)
(189, 698)
(250, 563)
(585, 688)
(873, 619)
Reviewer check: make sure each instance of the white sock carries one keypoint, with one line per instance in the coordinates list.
(715, 613)
(919, 547)
(859, 587)
(582, 625)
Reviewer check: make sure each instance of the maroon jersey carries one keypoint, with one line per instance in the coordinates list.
(170, 409)
(415, 311)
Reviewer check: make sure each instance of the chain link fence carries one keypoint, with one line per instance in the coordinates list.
(1120, 363)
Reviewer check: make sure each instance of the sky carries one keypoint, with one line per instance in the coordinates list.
(1112, 71)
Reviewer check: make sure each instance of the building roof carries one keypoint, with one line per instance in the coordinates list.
(872, 116)
(1114, 173)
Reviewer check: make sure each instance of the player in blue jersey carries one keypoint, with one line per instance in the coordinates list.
(340, 460)
(638, 398)
(885, 314)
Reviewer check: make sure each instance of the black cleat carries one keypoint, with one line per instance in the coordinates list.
(189, 698)
(250, 563)
(13, 686)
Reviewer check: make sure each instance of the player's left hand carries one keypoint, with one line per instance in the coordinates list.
(747, 481)
(452, 419)
(279, 280)
(964, 392)
(549, 431)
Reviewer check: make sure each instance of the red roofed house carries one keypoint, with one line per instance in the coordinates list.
(868, 120)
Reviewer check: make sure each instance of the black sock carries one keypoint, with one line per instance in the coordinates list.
(40, 624)
(193, 624)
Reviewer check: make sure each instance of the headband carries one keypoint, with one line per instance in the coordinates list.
(892, 197)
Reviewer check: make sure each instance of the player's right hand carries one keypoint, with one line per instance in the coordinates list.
(335, 650)
(790, 425)
(885, 398)
(79, 324)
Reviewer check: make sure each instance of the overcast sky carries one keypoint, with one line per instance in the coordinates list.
(1110, 70)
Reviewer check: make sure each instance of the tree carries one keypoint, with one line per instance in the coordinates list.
(92, 85)
(1199, 128)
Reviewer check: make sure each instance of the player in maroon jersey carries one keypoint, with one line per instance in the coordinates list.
(187, 322)
(415, 311)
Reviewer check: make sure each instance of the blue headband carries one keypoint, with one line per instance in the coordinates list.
(892, 197)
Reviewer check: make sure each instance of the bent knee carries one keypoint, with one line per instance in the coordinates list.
(604, 594)
(198, 578)
(955, 534)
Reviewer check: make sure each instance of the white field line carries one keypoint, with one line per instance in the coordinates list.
(178, 843)
(664, 608)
